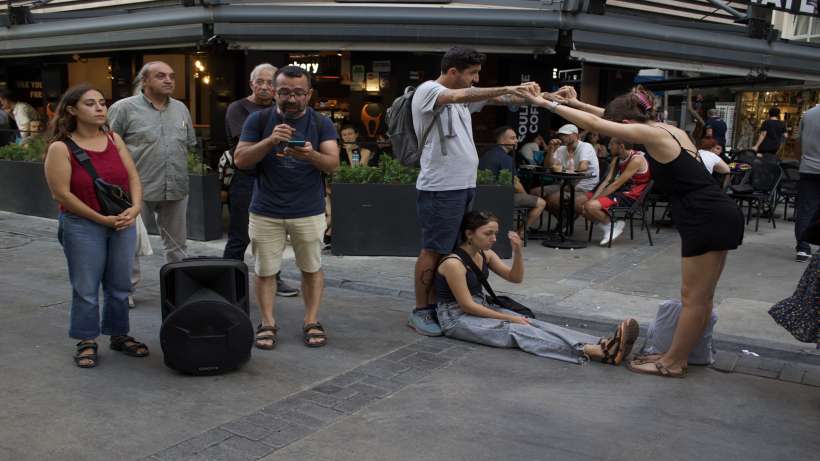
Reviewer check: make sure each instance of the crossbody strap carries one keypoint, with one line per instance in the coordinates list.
(82, 157)
(468, 261)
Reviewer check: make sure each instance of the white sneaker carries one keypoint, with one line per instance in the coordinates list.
(802, 257)
(605, 240)
(619, 229)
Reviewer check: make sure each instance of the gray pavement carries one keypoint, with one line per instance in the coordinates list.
(378, 391)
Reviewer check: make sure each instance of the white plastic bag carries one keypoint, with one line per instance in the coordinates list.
(143, 243)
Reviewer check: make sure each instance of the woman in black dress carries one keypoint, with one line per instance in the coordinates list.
(708, 221)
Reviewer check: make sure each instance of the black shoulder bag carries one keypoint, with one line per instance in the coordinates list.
(113, 199)
(503, 301)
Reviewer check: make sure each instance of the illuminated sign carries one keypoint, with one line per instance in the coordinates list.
(792, 6)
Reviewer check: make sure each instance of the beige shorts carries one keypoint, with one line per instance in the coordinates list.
(268, 238)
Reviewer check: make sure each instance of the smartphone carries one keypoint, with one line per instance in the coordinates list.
(296, 143)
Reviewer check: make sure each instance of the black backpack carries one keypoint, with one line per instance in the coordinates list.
(406, 145)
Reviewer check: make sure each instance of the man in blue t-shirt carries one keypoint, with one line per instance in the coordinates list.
(290, 145)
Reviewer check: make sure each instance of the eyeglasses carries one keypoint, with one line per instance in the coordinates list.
(288, 93)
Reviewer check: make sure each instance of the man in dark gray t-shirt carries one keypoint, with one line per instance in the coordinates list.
(241, 189)
(808, 188)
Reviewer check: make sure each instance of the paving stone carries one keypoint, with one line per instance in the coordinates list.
(356, 403)
(369, 390)
(286, 435)
(792, 373)
(812, 377)
(399, 354)
(386, 384)
(383, 368)
(284, 405)
(325, 400)
(725, 361)
(421, 363)
(194, 445)
(412, 376)
(435, 358)
(346, 379)
(327, 388)
(371, 289)
(312, 415)
(425, 347)
(254, 426)
(236, 449)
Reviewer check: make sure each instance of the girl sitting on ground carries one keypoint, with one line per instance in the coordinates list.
(464, 312)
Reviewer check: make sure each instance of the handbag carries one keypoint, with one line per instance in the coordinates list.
(503, 301)
(113, 198)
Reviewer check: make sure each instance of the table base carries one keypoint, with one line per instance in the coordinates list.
(564, 244)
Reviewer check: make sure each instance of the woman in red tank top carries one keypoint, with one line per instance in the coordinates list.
(99, 249)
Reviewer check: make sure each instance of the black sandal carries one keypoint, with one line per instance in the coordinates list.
(322, 336)
(91, 359)
(128, 346)
(272, 338)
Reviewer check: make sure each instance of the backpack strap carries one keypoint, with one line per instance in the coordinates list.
(468, 261)
(436, 122)
(82, 157)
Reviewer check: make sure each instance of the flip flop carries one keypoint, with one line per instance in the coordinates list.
(659, 370)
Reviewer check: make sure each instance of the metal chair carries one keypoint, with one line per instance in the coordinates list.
(635, 211)
(764, 180)
(787, 192)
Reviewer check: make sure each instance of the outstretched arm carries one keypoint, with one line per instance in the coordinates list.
(570, 97)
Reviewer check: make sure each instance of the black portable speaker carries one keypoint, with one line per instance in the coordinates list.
(205, 324)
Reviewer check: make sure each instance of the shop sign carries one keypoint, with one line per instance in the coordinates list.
(529, 117)
(792, 6)
(34, 88)
(312, 67)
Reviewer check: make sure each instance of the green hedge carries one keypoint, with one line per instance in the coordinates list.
(391, 171)
(32, 150)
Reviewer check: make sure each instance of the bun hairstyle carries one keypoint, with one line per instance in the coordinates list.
(473, 220)
(638, 105)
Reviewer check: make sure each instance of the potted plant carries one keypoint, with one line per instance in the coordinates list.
(23, 180)
(374, 209)
(204, 203)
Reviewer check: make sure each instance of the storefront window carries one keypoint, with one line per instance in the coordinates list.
(754, 110)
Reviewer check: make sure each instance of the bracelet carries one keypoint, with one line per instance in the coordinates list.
(552, 105)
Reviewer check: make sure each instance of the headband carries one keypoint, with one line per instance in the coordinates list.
(644, 101)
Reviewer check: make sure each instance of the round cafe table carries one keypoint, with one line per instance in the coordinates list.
(566, 208)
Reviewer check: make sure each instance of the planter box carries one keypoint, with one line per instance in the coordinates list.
(380, 219)
(204, 209)
(24, 189)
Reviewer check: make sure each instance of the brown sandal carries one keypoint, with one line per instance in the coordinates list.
(272, 338)
(648, 358)
(660, 370)
(321, 336)
(620, 345)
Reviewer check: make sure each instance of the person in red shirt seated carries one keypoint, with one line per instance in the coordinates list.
(626, 179)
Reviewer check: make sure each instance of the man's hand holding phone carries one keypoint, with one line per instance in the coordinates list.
(301, 150)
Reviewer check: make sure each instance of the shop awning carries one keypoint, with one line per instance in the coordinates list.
(633, 41)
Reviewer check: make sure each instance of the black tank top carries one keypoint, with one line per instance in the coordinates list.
(682, 175)
(443, 292)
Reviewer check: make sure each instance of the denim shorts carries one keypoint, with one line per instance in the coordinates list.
(440, 214)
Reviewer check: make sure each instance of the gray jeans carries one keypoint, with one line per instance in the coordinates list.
(539, 338)
(171, 217)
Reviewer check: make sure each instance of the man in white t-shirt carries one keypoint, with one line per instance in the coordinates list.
(23, 113)
(569, 153)
(446, 184)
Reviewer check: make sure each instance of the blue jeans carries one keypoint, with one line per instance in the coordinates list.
(240, 200)
(808, 204)
(97, 255)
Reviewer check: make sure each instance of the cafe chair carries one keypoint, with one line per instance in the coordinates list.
(638, 210)
(759, 191)
(787, 192)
